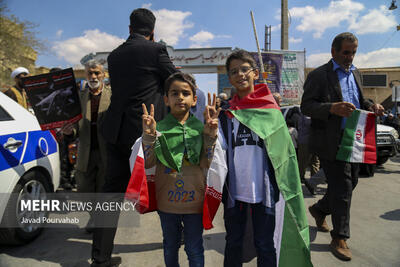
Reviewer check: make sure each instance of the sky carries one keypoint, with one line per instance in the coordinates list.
(72, 29)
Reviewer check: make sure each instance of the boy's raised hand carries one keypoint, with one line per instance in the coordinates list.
(149, 123)
(211, 117)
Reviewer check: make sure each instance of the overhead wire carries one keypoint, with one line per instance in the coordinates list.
(390, 37)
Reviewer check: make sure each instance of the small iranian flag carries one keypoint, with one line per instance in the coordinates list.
(358, 142)
(141, 186)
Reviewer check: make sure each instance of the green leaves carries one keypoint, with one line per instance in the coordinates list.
(19, 45)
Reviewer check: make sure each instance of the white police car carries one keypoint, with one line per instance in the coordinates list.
(29, 170)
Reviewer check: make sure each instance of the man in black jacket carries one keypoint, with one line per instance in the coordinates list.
(138, 69)
(331, 93)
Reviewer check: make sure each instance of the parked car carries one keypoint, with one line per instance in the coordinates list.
(29, 169)
(387, 138)
(387, 144)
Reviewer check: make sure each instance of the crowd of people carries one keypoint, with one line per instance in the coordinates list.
(149, 98)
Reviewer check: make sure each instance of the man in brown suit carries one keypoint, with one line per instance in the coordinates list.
(91, 161)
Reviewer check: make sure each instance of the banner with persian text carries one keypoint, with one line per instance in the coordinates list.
(285, 71)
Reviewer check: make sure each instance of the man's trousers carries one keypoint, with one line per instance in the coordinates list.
(342, 179)
(92, 180)
(305, 159)
(116, 181)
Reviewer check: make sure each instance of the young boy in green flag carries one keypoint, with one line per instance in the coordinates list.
(181, 148)
(262, 174)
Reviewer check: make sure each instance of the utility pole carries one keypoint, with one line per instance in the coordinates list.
(267, 43)
(284, 25)
(263, 73)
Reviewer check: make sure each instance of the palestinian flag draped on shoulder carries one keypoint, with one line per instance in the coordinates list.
(259, 112)
(358, 143)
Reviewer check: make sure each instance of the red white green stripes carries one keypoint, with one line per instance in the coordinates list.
(291, 236)
(260, 113)
(358, 142)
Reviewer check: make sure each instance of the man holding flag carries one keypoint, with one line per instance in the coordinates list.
(333, 97)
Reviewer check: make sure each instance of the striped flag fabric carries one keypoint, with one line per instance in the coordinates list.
(216, 176)
(358, 144)
(259, 112)
(141, 186)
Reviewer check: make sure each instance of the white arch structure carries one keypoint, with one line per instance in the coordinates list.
(212, 60)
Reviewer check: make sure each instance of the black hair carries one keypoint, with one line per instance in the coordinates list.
(183, 77)
(142, 21)
(337, 42)
(243, 55)
(55, 69)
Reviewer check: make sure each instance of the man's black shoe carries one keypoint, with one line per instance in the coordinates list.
(113, 262)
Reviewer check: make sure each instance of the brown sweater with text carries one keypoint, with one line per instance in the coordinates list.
(180, 193)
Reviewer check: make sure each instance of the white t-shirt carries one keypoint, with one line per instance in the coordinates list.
(248, 161)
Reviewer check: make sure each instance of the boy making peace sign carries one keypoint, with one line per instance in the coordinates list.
(181, 148)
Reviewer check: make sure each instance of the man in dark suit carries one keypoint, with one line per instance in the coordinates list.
(331, 93)
(138, 69)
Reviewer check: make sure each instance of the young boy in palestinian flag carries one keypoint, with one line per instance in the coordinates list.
(181, 148)
(262, 170)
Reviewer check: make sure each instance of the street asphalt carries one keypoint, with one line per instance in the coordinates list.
(375, 234)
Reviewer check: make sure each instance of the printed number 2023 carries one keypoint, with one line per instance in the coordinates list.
(180, 196)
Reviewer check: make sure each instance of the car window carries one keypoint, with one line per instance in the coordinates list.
(4, 116)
